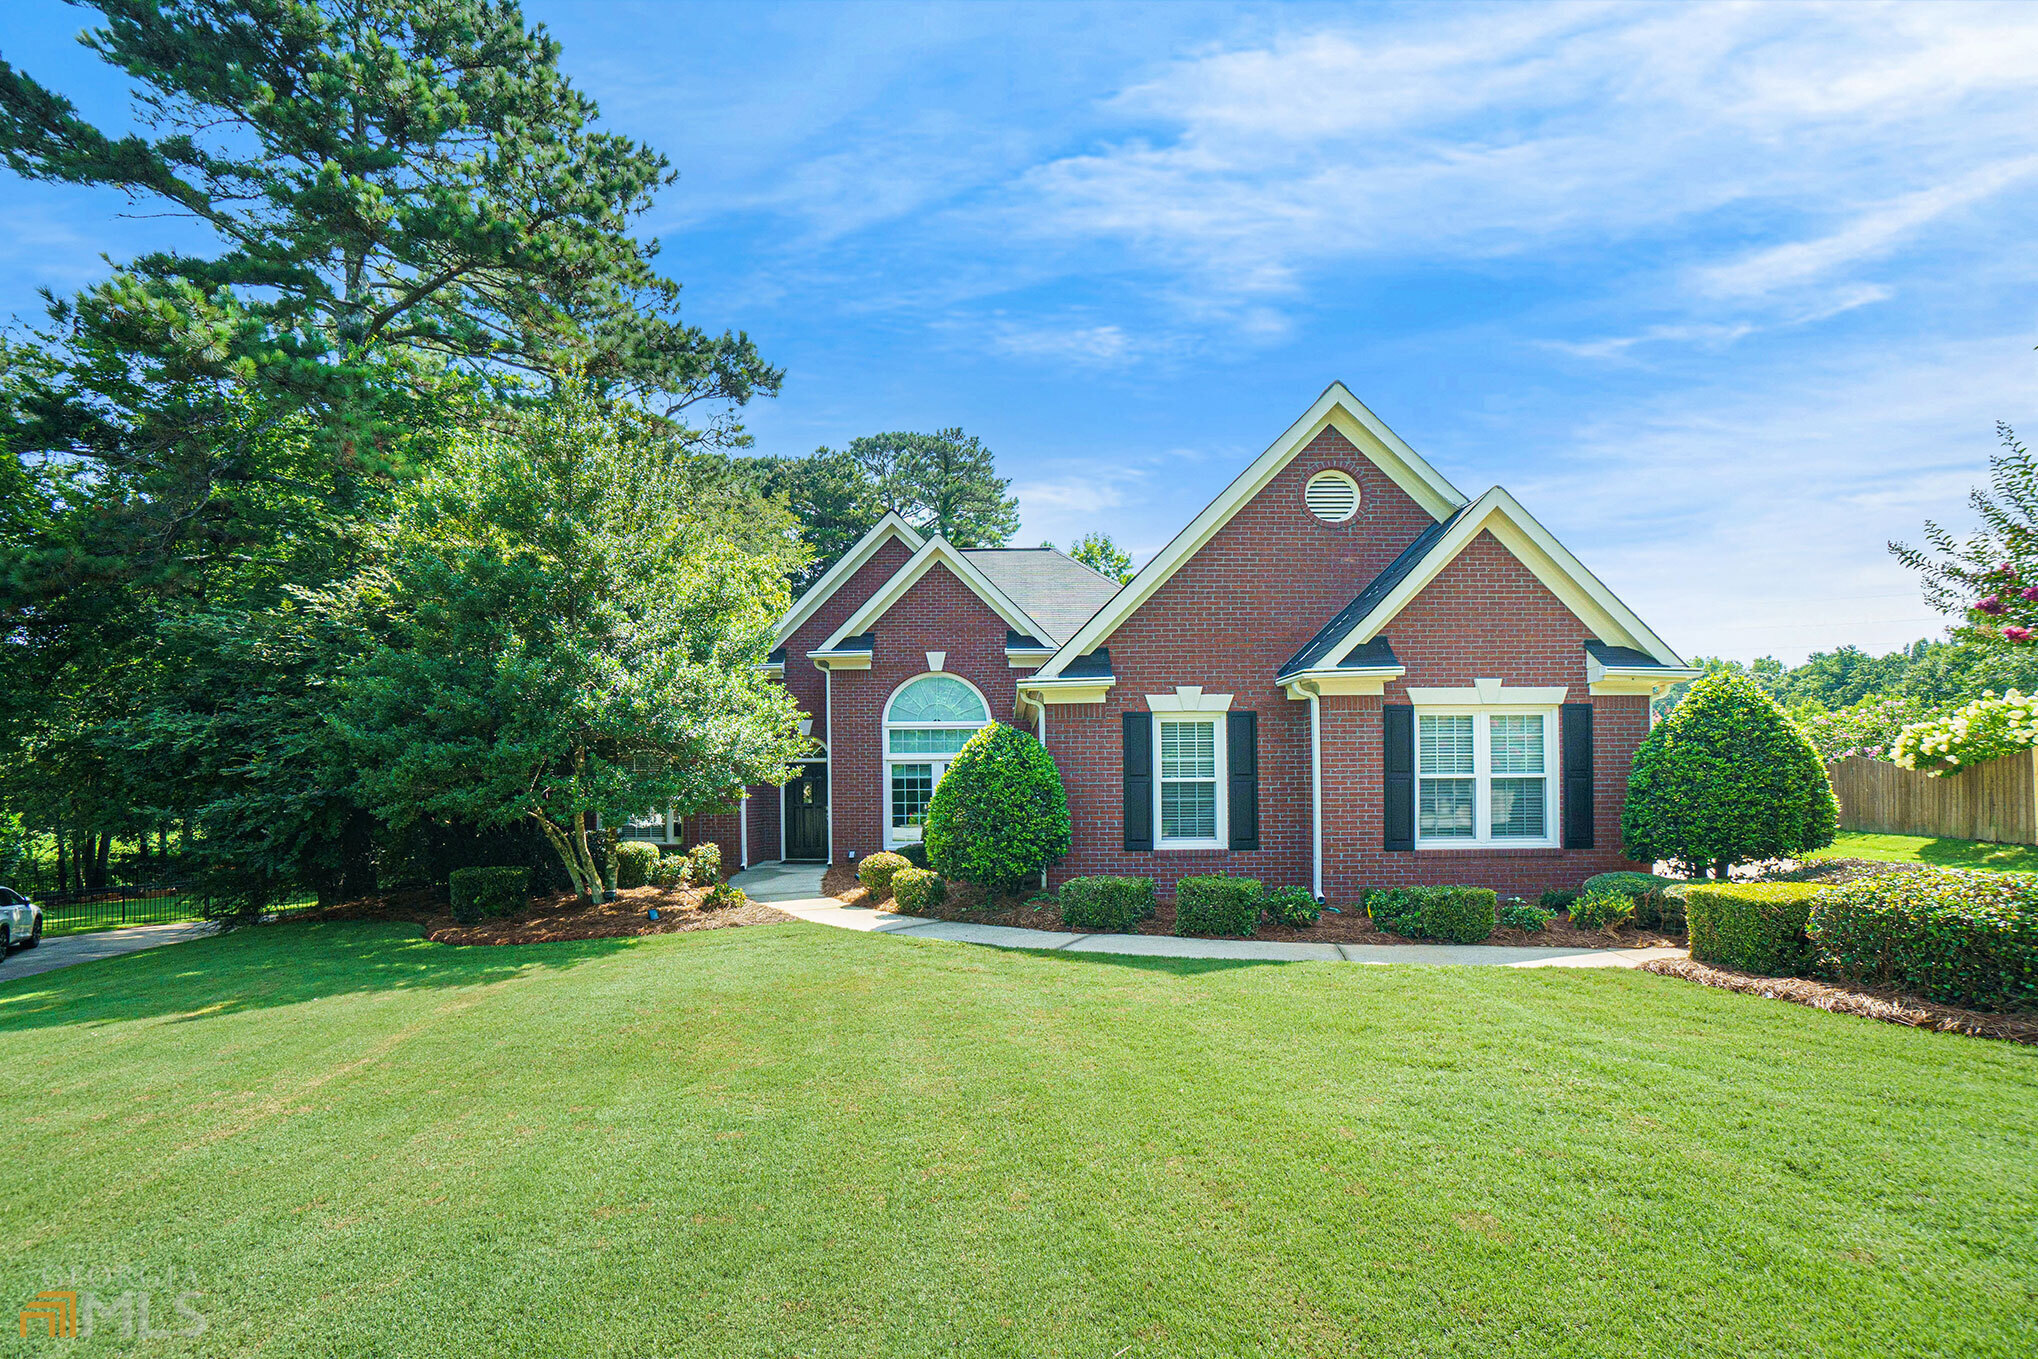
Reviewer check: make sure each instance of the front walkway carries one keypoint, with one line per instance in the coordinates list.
(796, 890)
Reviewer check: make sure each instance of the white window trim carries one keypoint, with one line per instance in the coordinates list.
(1217, 718)
(1482, 777)
(898, 836)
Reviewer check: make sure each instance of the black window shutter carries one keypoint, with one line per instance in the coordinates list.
(1578, 776)
(1242, 770)
(1138, 729)
(1397, 762)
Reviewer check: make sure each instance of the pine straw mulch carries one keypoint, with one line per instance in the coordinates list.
(1351, 925)
(564, 916)
(1869, 1002)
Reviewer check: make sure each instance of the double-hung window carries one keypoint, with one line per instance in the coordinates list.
(1190, 789)
(1485, 778)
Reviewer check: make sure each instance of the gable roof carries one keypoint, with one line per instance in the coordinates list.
(936, 551)
(817, 594)
(1516, 530)
(1056, 591)
(1336, 409)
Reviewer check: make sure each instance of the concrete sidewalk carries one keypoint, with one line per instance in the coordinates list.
(66, 950)
(796, 890)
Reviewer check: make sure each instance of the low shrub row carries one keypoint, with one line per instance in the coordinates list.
(1753, 926)
(1658, 901)
(1106, 905)
(636, 861)
(1215, 905)
(1456, 915)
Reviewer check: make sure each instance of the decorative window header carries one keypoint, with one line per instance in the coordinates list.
(1489, 693)
(1188, 698)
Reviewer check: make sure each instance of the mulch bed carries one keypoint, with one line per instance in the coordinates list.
(564, 916)
(1350, 926)
(1869, 1002)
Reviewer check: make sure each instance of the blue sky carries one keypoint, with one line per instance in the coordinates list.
(1727, 296)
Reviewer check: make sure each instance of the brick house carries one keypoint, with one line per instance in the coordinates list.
(1343, 674)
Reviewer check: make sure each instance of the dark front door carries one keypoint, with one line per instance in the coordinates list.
(806, 813)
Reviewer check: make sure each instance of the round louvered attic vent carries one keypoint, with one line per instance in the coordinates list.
(1332, 497)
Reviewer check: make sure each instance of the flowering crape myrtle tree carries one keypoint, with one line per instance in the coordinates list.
(553, 636)
(1990, 577)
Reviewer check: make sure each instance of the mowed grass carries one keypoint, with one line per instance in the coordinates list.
(1929, 849)
(792, 1140)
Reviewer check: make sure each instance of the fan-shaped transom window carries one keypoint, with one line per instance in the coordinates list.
(926, 723)
(1332, 497)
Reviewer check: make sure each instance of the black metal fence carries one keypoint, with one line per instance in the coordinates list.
(114, 907)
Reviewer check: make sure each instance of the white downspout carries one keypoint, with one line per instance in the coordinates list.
(828, 724)
(743, 829)
(1315, 791)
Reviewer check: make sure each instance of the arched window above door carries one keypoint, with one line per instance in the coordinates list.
(928, 720)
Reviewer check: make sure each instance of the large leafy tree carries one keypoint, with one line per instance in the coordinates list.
(554, 636)
(1989, 578)
(1100, 554)
(403, 211)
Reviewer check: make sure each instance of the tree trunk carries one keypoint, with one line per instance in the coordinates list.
(562, 845)
(102, 851)
(1722, 869)
(63, 861)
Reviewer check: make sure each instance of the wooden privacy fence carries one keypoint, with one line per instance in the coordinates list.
(1996, 800)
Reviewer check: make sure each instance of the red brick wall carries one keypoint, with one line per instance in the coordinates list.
(808, 686)
(939, 613)
(1230, 617)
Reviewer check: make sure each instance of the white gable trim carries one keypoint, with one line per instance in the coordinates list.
(1550, 562)
(935, 550)
(1336, 409)
(882, 532)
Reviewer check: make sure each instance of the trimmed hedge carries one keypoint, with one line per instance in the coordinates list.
(1106, 905)
(1602, 908)
(1214, 905)
(498, 891)
(636, 861)
(1294, 906)
(706, 858)
(877, 870)
(915, 889)
(1753, 926)
(1966, 939)
(1456, 915)
(915, 854)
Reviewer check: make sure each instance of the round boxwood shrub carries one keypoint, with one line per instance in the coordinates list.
(877, 870)
(496, 891)
(999, 815)
(1726, 778)
(1961, 938)
(1754, 926)
(1106, 905)
(915, 889)
(1293, 906)
(635, 863)
(915, 854)
(1517, 914)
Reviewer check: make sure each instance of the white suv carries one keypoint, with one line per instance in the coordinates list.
(20, 921)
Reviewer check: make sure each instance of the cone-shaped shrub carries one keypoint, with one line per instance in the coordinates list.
(999, 815)
(1724, 779)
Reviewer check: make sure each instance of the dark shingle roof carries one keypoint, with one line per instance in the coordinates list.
(1091, 665)
(777, 656)
(1057, 592)
(1020, 641)
(1382, 585)
(1627, 658)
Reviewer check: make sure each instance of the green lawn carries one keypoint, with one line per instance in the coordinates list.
(1927, 849)
(794, 1140)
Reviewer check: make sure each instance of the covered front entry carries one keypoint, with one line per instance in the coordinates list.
(806, 813)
